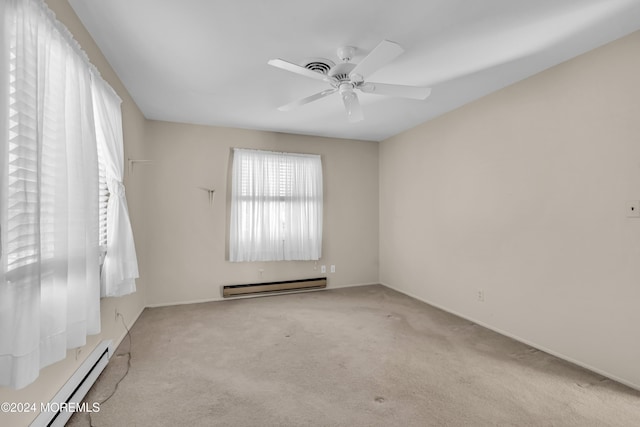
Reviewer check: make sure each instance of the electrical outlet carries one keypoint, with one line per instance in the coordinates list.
(323, 269)
(333, 268)
(481, 295)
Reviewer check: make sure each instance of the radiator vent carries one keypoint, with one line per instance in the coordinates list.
(274, 287)
(74, 390)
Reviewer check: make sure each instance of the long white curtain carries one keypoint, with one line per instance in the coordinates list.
(120, 267)
(49, 271)
(276, 206)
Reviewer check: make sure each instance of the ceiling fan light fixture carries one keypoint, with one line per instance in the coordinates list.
(351, 103)
(346, 89)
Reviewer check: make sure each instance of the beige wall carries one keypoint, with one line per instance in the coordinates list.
(522, 195)
(54, 376)
(188, 236)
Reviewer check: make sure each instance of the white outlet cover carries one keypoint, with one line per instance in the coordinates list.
(333, 268)
(633, 209)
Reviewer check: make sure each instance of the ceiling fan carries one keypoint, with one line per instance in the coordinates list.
(346, 77)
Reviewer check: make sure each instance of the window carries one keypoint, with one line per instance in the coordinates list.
(276, 206)
(49, 272)
(59, 203)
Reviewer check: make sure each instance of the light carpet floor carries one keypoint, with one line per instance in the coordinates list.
(366, 356)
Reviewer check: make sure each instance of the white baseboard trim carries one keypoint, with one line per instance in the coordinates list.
(354, 285)
(195, 301)
(221, 299)
(215, 299)
(522, 340)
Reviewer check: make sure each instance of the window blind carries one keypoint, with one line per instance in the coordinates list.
(103, 201)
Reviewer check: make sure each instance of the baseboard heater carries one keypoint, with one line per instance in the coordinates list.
(273, 287)
(76, 388)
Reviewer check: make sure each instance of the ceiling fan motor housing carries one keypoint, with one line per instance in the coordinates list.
(341, 72)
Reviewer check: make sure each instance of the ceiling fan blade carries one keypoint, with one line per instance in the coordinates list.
(398, 91)
(295, 68)
(308, 99)
(352, 105)
(380, 56)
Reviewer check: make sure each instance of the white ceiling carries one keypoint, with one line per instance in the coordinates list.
(205, 61)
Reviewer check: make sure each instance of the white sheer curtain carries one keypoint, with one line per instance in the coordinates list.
(49, 271)
(276, 206)
(120, 268)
